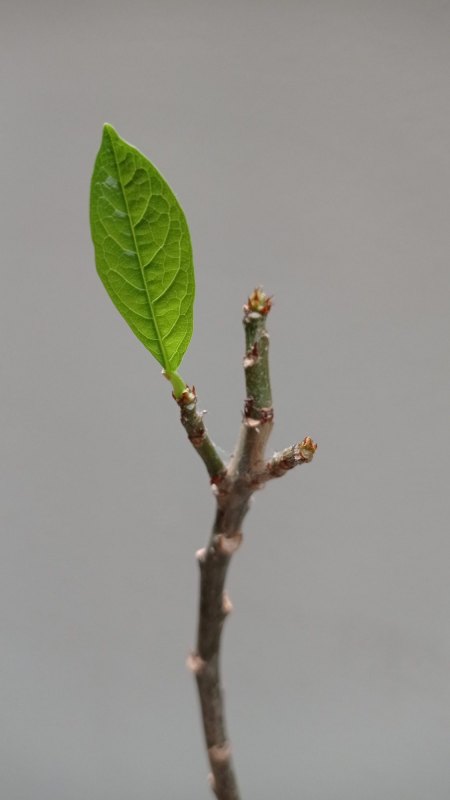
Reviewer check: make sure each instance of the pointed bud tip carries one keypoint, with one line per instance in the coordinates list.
(307, 448)
(258, 302)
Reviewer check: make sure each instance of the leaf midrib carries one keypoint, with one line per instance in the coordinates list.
(138, 255)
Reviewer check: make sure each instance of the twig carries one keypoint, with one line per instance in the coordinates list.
(194, 426)
(280, 463)
(233, 486)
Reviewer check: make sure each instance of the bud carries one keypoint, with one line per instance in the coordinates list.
(188, 397)
(227, 605)
(259, 302)
(195, 664)
(306, 449)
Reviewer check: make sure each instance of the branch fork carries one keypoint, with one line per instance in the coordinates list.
(233, 485)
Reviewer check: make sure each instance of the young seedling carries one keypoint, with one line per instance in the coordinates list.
(144, 258)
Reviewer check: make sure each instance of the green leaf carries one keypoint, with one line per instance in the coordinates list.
(143, 250)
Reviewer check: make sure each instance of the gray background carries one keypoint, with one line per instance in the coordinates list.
(309, 145)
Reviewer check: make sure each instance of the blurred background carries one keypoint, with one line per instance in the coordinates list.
(308, 143)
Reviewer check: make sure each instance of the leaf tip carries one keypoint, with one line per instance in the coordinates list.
(109, 131)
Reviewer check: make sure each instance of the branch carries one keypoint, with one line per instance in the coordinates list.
(280, 463)
(204, 662)
(233, 486)
(194, 426)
